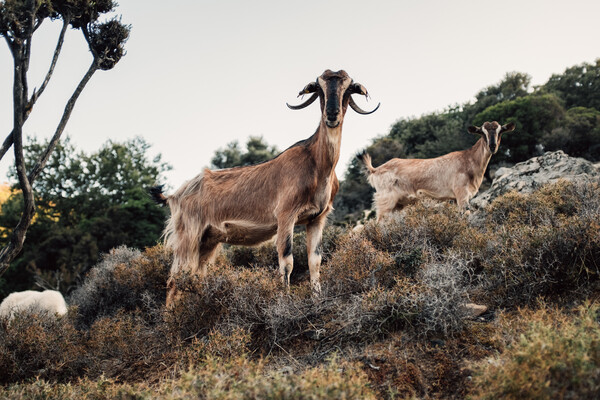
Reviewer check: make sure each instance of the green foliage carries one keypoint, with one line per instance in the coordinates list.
(432, 135)
(257, 151)
(107, 41)
(87, 204)
(513, 86)
(577, 135)
(578, 86)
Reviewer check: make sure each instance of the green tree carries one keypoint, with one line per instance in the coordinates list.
(257, 151)
(511, 87)
(432, 135)
(577, 135)
(19, 20)
(578, 86)
(87, 205)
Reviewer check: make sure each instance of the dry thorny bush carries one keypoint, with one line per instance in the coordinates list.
(393, 299)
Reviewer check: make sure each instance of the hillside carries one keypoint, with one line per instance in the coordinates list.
(391, 322)
(562, 114)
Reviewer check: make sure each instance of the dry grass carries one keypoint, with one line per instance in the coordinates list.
(391, 308)
(552, 353)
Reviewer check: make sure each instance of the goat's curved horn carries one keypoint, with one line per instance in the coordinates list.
(359, 110)
(310, 88)
(360, 89)
(307, 103)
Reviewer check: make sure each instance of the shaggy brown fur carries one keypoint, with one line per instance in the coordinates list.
(454, 176)
(249, 205)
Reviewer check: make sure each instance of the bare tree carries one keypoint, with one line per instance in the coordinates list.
(19, 20)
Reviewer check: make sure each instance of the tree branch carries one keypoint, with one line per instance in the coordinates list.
(38, 23)
(40, 164)
(36, 94)
(6, 144)
(61, 39)
(10, 41)
(27, 50)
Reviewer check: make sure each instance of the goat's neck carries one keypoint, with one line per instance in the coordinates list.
(480, 156)
(327, 147)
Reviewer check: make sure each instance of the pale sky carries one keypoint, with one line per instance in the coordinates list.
(200, 74)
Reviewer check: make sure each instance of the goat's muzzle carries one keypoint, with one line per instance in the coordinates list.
(332, 117)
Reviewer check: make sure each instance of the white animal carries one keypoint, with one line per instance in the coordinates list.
(31, 300)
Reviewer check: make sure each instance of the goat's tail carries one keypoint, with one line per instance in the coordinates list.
(157, 195)
(365, 158)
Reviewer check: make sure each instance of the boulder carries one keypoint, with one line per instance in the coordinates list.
(529, 175)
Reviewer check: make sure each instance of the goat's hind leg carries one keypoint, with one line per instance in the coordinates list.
(285, 236)
(384, 204)
(192, 257)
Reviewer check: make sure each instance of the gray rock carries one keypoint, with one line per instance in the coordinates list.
(529, 175)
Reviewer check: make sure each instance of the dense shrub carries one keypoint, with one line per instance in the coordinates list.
(40, 345)
(265, 255)
(126, 345)
(227, 297)
(358, 266)
(557, 355)
(427, 225)
(125, 280)
(84, 389)
(237, 378)
(445, 294)
(392, 303)
(543, 244)
(241, 378)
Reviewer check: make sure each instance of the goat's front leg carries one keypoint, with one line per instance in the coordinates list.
(173, 294)
(285, 231)
(462, 196)
(314, 236)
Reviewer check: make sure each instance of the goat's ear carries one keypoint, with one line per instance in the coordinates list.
(475, 130)
(508, 127)
(310, 88)
(358, 89)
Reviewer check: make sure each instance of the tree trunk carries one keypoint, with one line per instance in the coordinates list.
(8, 253)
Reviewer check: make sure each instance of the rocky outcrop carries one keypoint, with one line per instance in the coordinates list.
(529, 175)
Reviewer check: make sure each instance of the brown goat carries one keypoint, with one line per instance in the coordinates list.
(454, 176)
(249, 205)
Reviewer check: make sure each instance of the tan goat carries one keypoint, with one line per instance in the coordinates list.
(249, 205)
(455, 175)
